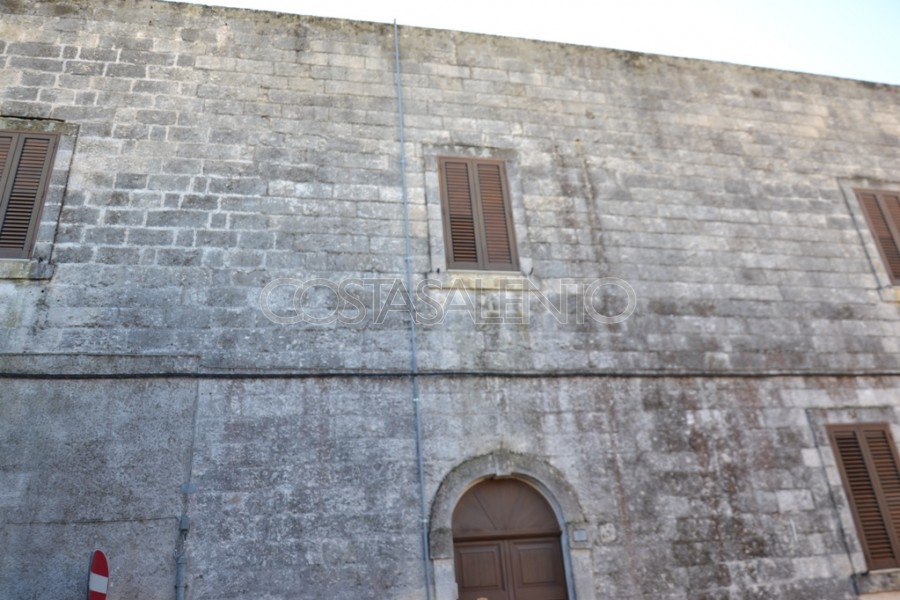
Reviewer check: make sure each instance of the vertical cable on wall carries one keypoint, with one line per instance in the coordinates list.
(414, 359)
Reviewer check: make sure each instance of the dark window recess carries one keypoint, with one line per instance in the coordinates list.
(477, 218)
(26, 160)
(867, 459)
(882, 209)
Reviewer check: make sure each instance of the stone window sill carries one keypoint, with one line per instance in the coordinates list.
(500, 281)
(25, 269)
(879, 584)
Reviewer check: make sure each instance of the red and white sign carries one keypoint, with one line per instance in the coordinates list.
(98, 582)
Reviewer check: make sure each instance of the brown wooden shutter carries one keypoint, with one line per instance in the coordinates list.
(496, 216)
(477, 216)
(26, 160)
(460, 215)
(867, 459)
(882, 210)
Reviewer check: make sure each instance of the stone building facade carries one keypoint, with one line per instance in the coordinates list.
(207, 351)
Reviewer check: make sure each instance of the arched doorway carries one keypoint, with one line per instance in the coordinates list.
(506, 544)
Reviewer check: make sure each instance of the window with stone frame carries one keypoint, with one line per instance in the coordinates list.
(882, 210)
(26, 162)
(477, 218)
(867, 459)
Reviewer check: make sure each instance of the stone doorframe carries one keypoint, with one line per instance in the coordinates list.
(576, 530)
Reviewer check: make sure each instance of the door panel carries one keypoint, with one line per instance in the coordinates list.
(537, 569)
(480, 570)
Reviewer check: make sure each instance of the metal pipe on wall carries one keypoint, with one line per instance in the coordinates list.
(414, 359)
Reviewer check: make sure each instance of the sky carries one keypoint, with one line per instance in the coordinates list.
(855, 39)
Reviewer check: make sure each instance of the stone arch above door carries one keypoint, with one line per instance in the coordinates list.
(538, 473)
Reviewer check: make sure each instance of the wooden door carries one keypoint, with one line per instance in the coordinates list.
(506, 543)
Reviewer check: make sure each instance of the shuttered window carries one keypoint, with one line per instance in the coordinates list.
(882, 209)
(867, 459)
(26, 160)
(478, 228)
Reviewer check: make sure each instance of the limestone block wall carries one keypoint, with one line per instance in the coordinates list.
(87, 465)
(218, 151)
(674, 488)
(216, 163)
